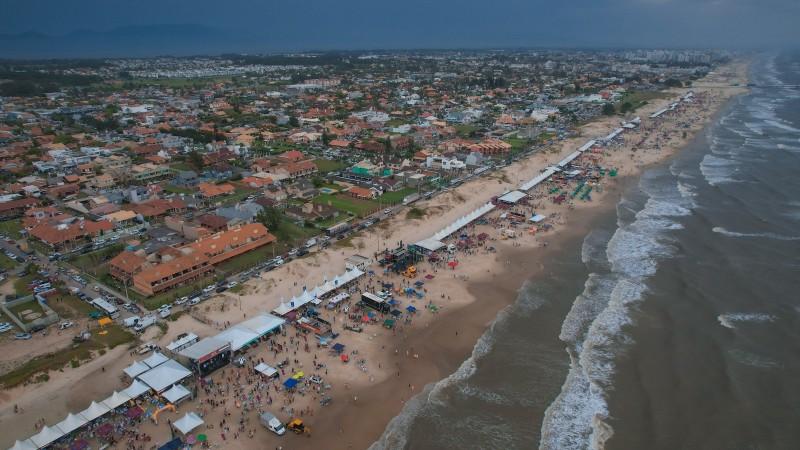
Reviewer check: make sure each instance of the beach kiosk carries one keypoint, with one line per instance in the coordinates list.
(379, 304)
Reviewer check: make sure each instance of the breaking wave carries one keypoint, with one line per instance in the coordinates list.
(594, 328)
(730, 320)
(780, 237)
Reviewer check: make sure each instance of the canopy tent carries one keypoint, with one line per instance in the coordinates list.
(176, 394)
(71, 423)
(174, 444)
(339, 298)
(238, 336)
(116, 399)
(24, 445)
(136, 389)
(536, 218)
(512, 197)
(613, 134)
(290, 383)
(658, 113)
(47, 436)
(262, 324)
(155, 360)
(411, 309)
(311, 295)
(266, 370)
(430, 244)
(94, 411)
(136, 369)
(568, 159)
(188, 423)
(532, 183)
(165, 375)
(462, 222)
(587, 145)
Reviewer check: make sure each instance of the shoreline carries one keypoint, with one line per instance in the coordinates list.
(365, 402)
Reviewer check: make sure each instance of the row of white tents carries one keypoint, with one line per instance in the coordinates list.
(157, 373)
(316, 294)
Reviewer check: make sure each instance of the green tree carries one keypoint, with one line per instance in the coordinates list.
(196, 160)
(293, 122)
(270, 217)
(608, 109)
(626, 107)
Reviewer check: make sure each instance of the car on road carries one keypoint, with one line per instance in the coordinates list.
(181, 300)
(387, 211)
(232, 284)
(22, 336)
(5, 326)
(293, 252)
(66, 324)
(208, 289)
(194, 301)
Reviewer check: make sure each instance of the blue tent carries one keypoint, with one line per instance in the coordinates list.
(338, 347)
(411, 309)
(419, 283)
(396, 313)
(393, 302)
(290, 383)
(172, 445)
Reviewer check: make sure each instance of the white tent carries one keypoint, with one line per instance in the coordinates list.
(536, 218)
(94, 411)
(165, 375)
(47, 436)
(176, 394)
(72, 423)
(155, 360)
(568, 159)
(266, 370)
(24, 445)
(338, 298)
(136, 389)
(430, 245)
(188, 423)
(262, 324)
(512, 197)
(116, 399)
(537, 179)
(587, 146)
(238, 336)
(136, 369)
(462, 222)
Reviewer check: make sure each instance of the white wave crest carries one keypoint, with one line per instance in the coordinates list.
(718, 170)
(779, 237)
(729, 320)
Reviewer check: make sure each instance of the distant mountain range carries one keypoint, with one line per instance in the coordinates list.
(131, 41)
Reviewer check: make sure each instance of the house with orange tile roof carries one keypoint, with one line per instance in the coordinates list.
(362, 193)
(125, 265)
(211, 190)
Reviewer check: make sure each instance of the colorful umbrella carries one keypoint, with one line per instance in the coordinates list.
(191, 440)
(202, 437)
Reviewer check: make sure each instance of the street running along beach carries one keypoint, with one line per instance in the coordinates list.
(396, 370)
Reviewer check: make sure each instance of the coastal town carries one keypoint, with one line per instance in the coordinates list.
(230, 252)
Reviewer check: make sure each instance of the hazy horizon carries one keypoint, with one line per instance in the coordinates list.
(47, 29)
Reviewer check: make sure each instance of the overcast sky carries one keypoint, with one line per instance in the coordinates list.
(361, 24)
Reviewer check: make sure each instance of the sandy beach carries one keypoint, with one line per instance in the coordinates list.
(388, 366)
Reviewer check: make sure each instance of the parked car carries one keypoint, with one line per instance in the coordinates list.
(66, 324)
(22, 336)
(194, 301)
(181, 300)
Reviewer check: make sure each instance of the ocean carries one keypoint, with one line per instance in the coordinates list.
(675, 323)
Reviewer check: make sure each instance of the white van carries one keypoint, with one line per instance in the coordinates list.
(273, 424)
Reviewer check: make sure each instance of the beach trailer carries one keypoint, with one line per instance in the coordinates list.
(379, 304)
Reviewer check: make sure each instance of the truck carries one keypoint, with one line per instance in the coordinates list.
(272, 423)
(144, 323)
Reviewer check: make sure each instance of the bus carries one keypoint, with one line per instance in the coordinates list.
(110, 310)
(377, 303)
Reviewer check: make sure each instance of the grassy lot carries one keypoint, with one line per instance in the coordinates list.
(32, 305)
(91, 262)
(181, 165)
(240, 194)
(247, 260)
(290, 235)
(7, 263)
(518, 144)
(415, 213)
(11, 228)
(37, 368)
(465, 130)
(70, 306)
(327, 165)
(357, 207)
(177, 189)
(397, 196)
(21, 284)
(637, 99)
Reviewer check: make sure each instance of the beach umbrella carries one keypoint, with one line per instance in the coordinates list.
(202, 437)
(365, 319)
(452, 264)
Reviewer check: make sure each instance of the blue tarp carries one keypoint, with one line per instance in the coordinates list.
(410, 308)
(172, 445)
(290, 383)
